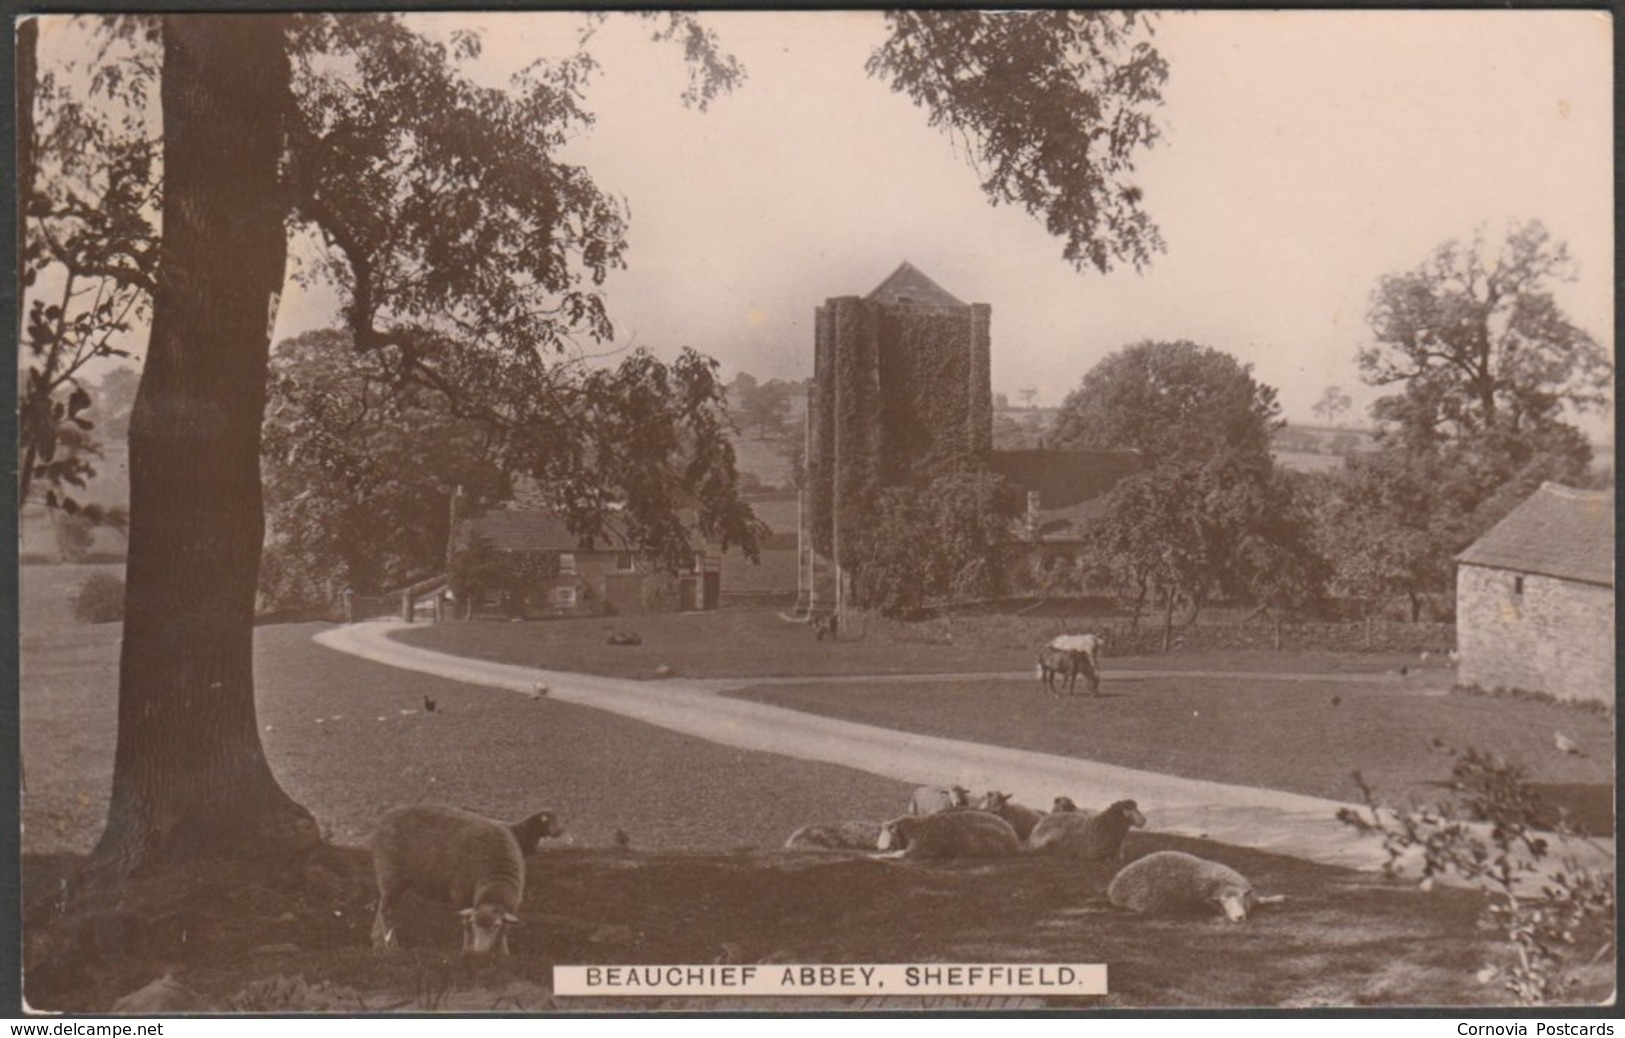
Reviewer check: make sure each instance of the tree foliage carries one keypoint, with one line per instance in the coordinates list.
(1476, 345)
(88, 251)
(1486, 369)
(1171, 401)
(1209, 513)
(359, 474)
(969, 514)
(1333, 404)
(762, 407)
(1052, 107)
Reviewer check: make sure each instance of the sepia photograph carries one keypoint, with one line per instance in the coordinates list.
(584, 512)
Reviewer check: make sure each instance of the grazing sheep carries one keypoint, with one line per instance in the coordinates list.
(529, 833)
(1176, 882)
(1080, 834)
(1063, 805)
(448, 854)
(1059, 662)
(1021, 817)
(835, 836)
(1084, 646)
(928, 800)
(949, 834)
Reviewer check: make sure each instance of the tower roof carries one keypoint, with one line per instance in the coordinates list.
(907, 285)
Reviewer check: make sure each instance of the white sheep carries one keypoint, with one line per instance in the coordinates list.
(835, 836)
(949, 834)
(1176, 882)
(448, 854)
(1083, 834)
(931, 799)
(1085, 652)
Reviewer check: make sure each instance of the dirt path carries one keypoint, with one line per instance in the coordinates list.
(1285, 823)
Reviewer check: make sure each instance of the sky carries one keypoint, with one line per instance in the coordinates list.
(1303, 156)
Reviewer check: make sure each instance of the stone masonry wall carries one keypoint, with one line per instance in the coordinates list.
(1556, 637)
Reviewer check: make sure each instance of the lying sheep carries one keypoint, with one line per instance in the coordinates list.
(1176, 882)
(949, 834)
(1021, 817)
(448, 854)
(931, 799)
(1080, 834)
(529, 833)
(835, 836)
(1063, 805)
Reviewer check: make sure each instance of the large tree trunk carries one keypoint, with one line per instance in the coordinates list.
(190, 777)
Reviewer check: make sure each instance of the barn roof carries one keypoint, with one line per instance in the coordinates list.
(519, 529)
(908, 285)
(1558, 531)
(1066, 478)
(1072, 484)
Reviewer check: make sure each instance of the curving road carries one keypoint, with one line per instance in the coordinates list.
(1270, 820)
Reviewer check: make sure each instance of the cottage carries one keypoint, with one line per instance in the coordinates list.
(1535, 598)
(556, 573)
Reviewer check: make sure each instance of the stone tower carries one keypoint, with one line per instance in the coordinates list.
(902, 386)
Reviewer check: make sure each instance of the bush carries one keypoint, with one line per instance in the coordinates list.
(1557, 924)
(99, 600)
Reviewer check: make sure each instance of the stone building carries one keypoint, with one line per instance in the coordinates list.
(901, 377)
(902, 386)
(1535, 598)
(560, 574)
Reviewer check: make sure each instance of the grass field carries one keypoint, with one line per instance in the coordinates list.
(750, 643)
(1295, 736)
(700, 880)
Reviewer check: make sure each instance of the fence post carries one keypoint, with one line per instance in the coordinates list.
(406, 607)
(349, 605)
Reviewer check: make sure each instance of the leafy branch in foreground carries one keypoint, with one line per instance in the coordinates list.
(1495, 835)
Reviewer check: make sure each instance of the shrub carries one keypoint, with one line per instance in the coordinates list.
(1558, 924)
(99, 600)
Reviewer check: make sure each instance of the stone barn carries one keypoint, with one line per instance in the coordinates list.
(1535, 598)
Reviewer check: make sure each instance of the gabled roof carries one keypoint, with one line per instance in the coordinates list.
(1066, 479)
(908, 286)
(1558, 531)
(519, 529)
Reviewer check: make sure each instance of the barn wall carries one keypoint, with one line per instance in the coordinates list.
(1556, 637)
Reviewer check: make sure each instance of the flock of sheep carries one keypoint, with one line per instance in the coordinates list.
(943, 823)
(478, 864)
